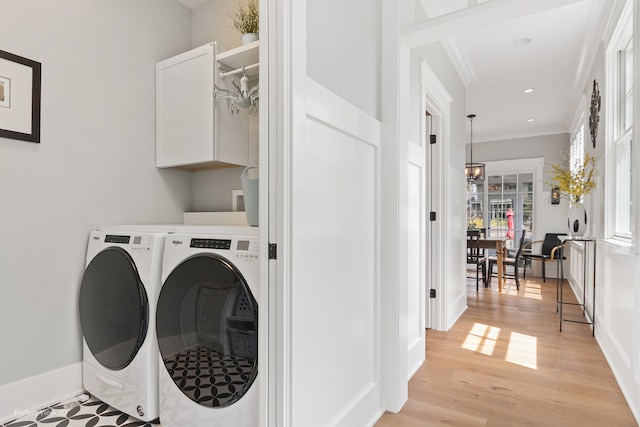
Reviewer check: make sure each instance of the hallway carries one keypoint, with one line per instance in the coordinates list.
(505, 363)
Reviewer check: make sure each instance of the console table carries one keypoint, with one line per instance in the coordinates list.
(560, 301)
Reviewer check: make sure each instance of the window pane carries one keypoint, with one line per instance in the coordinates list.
(525, 183)
(620, 57)
(475, 205)
(510, 182)
(623, 187)
(628, 86)
(495, 184)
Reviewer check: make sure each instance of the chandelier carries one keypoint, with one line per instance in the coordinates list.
(473, 171)
(238, 96)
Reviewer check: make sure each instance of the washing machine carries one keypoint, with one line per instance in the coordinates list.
(207, 330)
(118, 295)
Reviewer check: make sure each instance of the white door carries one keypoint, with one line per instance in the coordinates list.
(432, 123)
(416, 254)
(325, 162)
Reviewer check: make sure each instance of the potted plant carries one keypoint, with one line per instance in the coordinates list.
(573, 186)
(246, 20)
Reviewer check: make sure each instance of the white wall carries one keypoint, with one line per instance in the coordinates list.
(617, 307)
(95, 163)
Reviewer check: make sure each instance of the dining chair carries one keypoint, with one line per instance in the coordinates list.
(475, 255)
(549, 251)
(512, 261)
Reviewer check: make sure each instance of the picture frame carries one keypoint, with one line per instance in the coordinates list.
(20, 92)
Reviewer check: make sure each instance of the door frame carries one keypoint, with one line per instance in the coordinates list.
(436, 99)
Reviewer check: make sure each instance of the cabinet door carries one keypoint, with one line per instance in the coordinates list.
(192, 129)
(185, 108)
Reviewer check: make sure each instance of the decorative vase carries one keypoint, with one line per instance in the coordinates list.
(249, 38)
(577, 221)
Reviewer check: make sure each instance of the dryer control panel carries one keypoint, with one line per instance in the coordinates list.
(243, 248)
(135, 243)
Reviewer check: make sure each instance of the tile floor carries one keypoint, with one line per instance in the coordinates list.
(82, 411)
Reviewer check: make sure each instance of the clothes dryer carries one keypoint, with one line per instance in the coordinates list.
(118, 295)
(207, 329)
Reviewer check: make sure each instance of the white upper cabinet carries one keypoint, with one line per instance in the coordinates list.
(194, 130)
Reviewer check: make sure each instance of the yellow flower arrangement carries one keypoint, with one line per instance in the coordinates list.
(574, 185)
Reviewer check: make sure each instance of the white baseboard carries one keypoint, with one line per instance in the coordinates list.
(34, 393)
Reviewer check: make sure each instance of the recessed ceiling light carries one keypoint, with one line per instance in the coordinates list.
(528, 90)
(531, 120)
(522, 42)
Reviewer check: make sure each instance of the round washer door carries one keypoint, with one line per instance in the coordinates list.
(114, 310)
(207, 323)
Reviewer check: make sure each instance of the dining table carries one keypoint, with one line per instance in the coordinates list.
(500, 246)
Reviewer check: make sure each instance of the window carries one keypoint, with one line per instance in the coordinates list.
(576, 148)
(475, 205)
(504, 208)
(510, 205)
(619, 165)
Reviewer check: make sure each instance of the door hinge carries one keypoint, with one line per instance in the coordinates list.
(432, 216)
(432, 293)
(432, 139)
(273, 251)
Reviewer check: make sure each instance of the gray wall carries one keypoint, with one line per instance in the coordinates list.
(346, 65)
(212, 189)
(94, 165)
(550, 147)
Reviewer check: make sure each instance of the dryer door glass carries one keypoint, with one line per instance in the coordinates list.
(114, 311)
(207, 323)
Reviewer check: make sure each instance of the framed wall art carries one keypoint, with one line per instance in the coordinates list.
(20, 85)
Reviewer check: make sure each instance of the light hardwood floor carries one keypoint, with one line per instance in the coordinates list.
(505, 363)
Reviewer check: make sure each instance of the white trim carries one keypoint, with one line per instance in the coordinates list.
(438, 99)
(38, 392)
(432, 84)
(393, 214)
(578, 115)
(623, 11)
(465, 71)
(635, 160)
(342, 115)
(517, 134)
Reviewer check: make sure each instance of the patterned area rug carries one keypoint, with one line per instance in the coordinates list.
(210, 378)
(85, 411)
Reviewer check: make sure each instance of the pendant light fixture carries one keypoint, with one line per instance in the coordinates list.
(473, 171)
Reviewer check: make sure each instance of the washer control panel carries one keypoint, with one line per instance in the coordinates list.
(247, 249)
(224, 244)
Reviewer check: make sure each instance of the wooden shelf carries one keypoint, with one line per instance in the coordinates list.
(233, 59)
